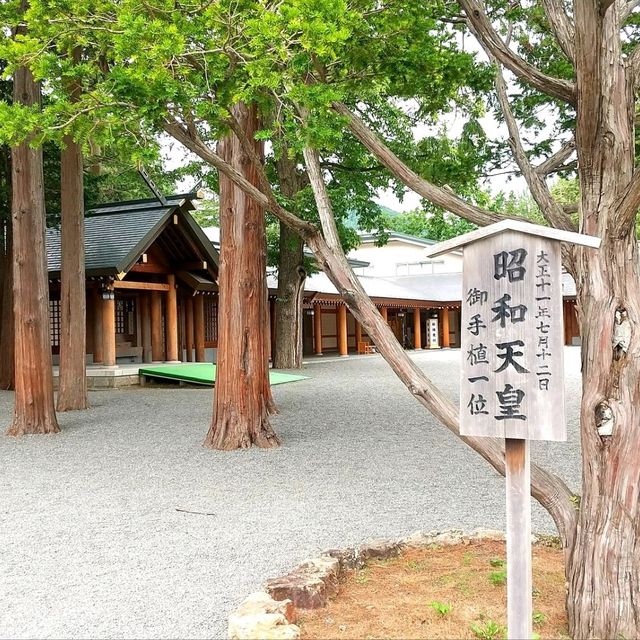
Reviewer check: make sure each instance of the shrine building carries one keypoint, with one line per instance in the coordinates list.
(150, 283)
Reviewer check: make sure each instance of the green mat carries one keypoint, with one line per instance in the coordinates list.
(205, 373)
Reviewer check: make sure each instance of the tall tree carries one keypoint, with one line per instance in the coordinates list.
(34, 409)
(72, 392)
(242, 401)
(72, 389)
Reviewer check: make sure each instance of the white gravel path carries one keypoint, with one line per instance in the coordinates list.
(92, 545)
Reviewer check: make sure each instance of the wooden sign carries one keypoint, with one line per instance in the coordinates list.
(512, 378)
(512, 339)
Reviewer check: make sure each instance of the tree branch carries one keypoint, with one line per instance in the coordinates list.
(491, 42)
(550, 209)
(547, 488)
(556, 161)
(437, 195)
(561, 26)
(628, 10)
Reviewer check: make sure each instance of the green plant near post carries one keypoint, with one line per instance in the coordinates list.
(539, 617)
(498, 578)
(490, 630)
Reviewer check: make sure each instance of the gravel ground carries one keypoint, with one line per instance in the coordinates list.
(92, 542)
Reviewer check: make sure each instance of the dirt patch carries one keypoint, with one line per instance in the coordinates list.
(439, 592)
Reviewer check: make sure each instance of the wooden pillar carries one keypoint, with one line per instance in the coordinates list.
(145, 325)
(358, 336)
(383, 313)
(109, 328)
(98, 351)
(417, 329)
(317, 329)
(188, 332)
(343, 348)
(199, 327)
(156, 327)
(171, 320)
(444, 322)
(272, 328)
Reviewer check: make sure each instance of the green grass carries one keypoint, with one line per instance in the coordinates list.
(205, 373)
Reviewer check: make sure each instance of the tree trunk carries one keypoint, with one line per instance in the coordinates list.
(291, 277)
(242, 394)
(34, 407)
(604, 568)
(72, 393)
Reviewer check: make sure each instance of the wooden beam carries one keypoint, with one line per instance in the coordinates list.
(317, 329)
(145, 323)
(197, 265)
(98, 351)
(157, 351)
(109, 328)
(199, 328)
(141, 286)
(189, 328)
(384, 314)
(343, 348)
(417, 329)
(171, 320)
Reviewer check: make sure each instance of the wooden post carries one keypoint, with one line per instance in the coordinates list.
(98, 351)
(383, 313)
(156, 327)
(343, 348)
(317, 329)
(272, 329)
(519, 585)
(189, 329)
(109, 327)
(417, 329)
(199, 327)
(358, 336)
(444, 320)
(145, 325)
(171, 320)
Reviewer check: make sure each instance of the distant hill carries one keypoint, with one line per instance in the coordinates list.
(351, 220)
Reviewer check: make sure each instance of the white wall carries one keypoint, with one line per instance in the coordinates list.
(401, 258)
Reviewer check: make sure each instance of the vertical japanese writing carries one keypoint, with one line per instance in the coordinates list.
(543, 319)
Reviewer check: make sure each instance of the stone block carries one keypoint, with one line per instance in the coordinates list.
(260, 617)
(379, 549)
(309, 585)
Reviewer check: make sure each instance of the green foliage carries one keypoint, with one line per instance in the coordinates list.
(497, 562)
(441, 608)
(539, 617)
(488, 630)
(498, 578)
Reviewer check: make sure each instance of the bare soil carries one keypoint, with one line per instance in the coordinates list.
(440, 592)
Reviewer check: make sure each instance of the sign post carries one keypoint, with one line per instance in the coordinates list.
(512, 380)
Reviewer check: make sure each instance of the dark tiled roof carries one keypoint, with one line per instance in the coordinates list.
(117, 233)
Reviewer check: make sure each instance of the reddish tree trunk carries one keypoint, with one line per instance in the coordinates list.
(34, 407)
(242, 394)
(72, 393)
